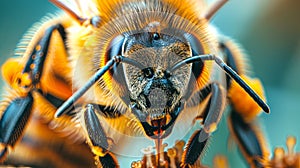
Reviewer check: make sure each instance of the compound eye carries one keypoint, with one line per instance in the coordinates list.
(148, 72)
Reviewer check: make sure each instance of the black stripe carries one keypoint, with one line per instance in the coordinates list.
(197, 67)
(117, 72)
(246, 137)
(230, 61)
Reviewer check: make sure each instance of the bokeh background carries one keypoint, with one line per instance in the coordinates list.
(269, 31)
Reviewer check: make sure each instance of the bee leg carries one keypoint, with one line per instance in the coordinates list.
(12, 123)
(97, 139)
(211, 117)
(242, 123)
(35, 64)
(24, 80)
(248, 139)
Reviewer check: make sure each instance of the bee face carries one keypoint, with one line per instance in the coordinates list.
(153, 89)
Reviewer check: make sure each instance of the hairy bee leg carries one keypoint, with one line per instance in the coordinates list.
(94, 129)
(248, 139)
(194, 148)
(243, 113)
(35, 64)
(97, 139)
(211, 117)
(13, 122)
(25, 81)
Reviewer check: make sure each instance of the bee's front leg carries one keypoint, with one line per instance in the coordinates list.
(23, 74)
(249, 139)
(211, 117)
(242, 119)
(243, 125)
(97, 139)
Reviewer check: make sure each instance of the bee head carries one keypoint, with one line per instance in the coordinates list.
(156, 92)
(151, 86)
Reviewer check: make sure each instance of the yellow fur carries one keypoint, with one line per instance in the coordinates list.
(89, 45)
(66, 71)
(11, 72)
(242, 102)
(126, 17)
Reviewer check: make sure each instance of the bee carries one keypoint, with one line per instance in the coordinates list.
(122, 75)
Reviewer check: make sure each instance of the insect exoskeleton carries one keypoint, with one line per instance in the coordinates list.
(124, 72)
(152, 87)
(156, 39)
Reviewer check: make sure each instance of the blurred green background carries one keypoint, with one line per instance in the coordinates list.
(269, 31)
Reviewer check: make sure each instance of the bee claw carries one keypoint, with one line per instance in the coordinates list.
(108, 160)
(3, 153)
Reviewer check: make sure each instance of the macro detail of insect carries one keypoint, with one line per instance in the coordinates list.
(123, 75)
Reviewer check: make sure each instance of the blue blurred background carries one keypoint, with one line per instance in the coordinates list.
(269, 31)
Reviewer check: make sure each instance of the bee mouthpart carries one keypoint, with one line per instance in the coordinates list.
(156, 116)
(157, 125)
(158, 121)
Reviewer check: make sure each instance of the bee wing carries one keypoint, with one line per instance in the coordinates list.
(81, 9)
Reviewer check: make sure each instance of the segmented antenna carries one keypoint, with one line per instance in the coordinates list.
(228, 70)
(67, 105)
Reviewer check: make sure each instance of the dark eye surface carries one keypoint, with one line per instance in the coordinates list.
(148, 72)
(156, 36)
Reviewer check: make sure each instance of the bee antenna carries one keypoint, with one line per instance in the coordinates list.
(132, 62)
(68, 10)
(67, 105)
(229, 71)
(214, 8)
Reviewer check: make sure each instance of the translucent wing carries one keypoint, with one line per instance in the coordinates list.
(80, 10)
